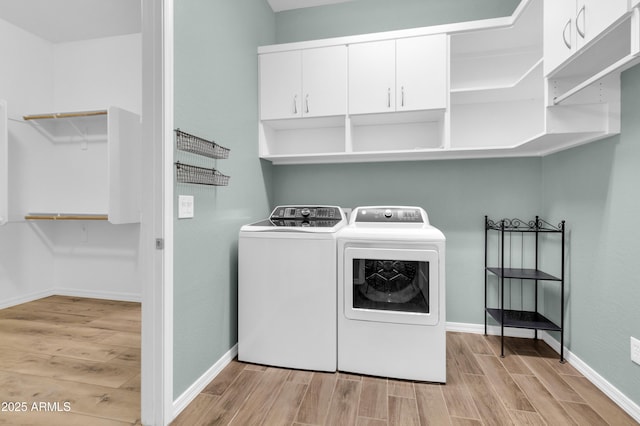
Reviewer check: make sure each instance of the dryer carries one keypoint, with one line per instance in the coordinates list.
(287, 285)
(391, 295)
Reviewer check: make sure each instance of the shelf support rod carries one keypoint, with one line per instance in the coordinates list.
(502, 290)
(83, 135)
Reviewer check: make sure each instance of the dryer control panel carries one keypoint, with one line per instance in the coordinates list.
(390, 214)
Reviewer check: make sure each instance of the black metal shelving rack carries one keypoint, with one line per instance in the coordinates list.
(520, 318)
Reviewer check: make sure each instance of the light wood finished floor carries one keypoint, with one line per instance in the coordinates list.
(70, 361)
(527, 387)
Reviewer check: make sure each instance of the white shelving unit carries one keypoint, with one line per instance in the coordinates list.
(498, 100)
(497, 93)
(90, 169)
(4, 164)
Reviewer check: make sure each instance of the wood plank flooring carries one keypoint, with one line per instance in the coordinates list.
(70, 361)
(527, 387)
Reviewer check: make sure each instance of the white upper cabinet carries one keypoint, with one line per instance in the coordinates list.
(595, 16)
(421, 73)
(303, 83)
(280, 85)
(324, 81)
(571, 24)
(398, 75)
(559, 32)
(372, 77)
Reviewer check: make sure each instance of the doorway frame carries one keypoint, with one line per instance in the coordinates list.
(157, 213)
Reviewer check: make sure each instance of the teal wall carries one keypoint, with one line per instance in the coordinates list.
(368, 16)
(596, 188)
(455, 194)
(216, 97)
(592, 187)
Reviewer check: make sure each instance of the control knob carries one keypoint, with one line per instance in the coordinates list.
(388, 213)
(305, 212)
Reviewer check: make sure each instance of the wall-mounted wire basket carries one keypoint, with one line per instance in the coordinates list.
(186, 173)
(197, 145)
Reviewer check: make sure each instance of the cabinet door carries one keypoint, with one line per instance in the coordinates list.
(595, 16)
(559, 32)
(324, 81)
(280, 85)
(421, 73)
(372, 77)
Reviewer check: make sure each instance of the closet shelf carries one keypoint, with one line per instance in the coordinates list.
(70, 127)
(186, 173)
(197, 145)
(65, 216)
(64, 115)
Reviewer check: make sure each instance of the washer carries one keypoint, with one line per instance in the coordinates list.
(391, 295)
(287, 284)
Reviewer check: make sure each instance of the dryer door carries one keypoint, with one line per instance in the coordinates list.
(391, 285)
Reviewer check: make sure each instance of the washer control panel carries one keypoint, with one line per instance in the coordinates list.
(390, 214)
(321, 216)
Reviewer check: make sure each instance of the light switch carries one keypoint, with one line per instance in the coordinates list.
(185, 206)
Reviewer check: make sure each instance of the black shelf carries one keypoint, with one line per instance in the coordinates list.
(522, 273)
(523, 319)
(520, 318)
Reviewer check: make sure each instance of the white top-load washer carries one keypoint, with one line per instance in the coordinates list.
(287, 288)
(391, 295)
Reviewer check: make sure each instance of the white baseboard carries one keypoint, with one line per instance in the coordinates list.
(198, 386)
(71, 292)
(600, 382)
(25, 298)
(94, 294)
(492, 329)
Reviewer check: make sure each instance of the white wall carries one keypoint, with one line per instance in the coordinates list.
(95, 74)
(26, 84)
(78, 258)
(95, 258)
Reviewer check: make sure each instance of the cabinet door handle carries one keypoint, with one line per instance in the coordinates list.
(567, 26)
(389, 98)
(584, 22)
(295, 104)
(402, 96)
(306, 103)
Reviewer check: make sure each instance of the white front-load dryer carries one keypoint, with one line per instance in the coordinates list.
(287, 272)
(391, 295)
